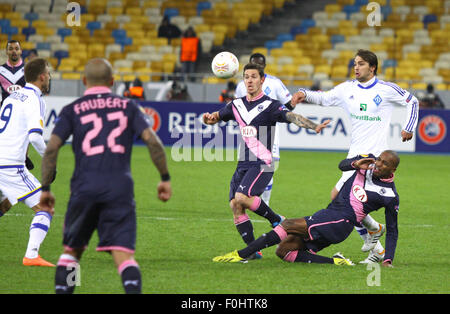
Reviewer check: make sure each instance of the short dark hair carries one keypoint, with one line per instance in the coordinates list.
(369, 57)
(12, 41)
(257, 55)
(254, 66)
(34, 68)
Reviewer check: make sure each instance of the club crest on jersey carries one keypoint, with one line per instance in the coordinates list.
(359, 193)
(267, 90)
(377, 100)
(249, 131)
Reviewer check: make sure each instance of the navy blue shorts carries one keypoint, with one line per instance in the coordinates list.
(250, 181)
(110, 211)
(326, 227)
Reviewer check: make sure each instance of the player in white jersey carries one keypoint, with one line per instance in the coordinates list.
(275, 89)
(21, 123)
(369, 103)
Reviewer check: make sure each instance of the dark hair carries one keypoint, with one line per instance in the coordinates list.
(254, 66)
(12, 41)
(34, 68)
(394, 156)
(258, 55)
(369, 57)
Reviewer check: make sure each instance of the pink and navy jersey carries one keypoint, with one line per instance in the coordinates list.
(104, 127)
(363, 193)
(11, 79)
(257, 120)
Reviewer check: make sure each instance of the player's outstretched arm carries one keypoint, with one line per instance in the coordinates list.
(303, 122)
(159, 159)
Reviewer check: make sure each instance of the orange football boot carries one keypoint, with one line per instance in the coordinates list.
(38, 261)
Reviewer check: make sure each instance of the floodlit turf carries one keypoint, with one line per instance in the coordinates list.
(177, 240)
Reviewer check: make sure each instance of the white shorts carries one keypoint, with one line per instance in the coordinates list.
(345, 176)
(17, 184)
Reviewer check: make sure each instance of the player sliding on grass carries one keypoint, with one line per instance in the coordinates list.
(256, 115)
(370, 188)
(369, 103)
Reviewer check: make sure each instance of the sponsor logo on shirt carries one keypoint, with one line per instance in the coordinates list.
(359, 193)
(365, 117)
(249, 131)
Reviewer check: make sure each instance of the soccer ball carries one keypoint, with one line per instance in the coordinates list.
(225, 65)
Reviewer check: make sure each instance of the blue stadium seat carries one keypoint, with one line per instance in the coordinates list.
(297, 30)
(124, 41)
(308, 23)
(31, 16)
(169, 12)
(4, 23)
(27, 31)
(61, 54)
(43, 46)
(10, 31)
(119, 33)
(285, 37)
(386, 10)
(270, 44)
(389, 63)
(337, 39)
(63, 32)
(93, 25)
(349, 9)
(429, 18)
(361, 2)
(203, 5)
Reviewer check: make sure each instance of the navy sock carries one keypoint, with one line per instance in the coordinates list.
(265, 211)
(306, 257)
(131, 280)
(61, 276)
(245, 229)
(267, 239)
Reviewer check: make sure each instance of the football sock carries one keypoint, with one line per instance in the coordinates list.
(38, 230)
(307, 257)
(245, 228)
(379, 248)
(1, 214)
(370, 224)
(131, 277)
(270, 238)
(267, 192)
(66, 274)
(260, 207)
(362, 232)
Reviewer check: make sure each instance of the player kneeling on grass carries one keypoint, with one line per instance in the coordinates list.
(370, 188)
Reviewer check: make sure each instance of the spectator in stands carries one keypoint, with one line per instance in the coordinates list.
(168, 30)
(135, 91)
(178, 92)
(431, 99)
(228, 94)
(190, 52)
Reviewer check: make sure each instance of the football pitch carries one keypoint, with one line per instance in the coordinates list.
(177, 240)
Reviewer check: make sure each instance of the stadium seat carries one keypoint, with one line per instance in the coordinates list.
(27, 31)
(63, 32)
(94, 25)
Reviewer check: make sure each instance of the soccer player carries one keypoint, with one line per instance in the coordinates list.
(369, 103)
(370, 188)
(275, 89)
(103, 126)
(256, 115)
(21, 123)
(12, 72)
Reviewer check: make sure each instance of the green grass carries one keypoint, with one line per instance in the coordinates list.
(177, 240)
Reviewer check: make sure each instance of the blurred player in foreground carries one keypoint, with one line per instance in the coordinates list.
(256, 115)
(22, 122)
(370, 188)
(275, 89)
(103, 126)
(369, 103)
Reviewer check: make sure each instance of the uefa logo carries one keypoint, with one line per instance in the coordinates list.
(432, 129)
(154, 117)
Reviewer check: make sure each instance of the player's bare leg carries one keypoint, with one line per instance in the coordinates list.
(4, 207)
(128, 270)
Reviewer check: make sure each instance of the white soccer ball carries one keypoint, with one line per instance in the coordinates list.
(225, 65)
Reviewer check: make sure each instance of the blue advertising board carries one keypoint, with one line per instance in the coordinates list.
(432, 131)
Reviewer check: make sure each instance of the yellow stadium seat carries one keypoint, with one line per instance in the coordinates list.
(71, 76)
(421, 86)
(323, 69)
(339, 71)
(332, 8)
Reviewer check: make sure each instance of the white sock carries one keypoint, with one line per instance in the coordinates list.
(378, 248)
(362, 232)
(38, 230)
(266, 194)
(370, 223)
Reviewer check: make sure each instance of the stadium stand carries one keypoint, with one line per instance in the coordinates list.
(412, 43)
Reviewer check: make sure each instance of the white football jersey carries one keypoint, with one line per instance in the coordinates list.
(369, 106)
(275, 89)
(22, 113)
